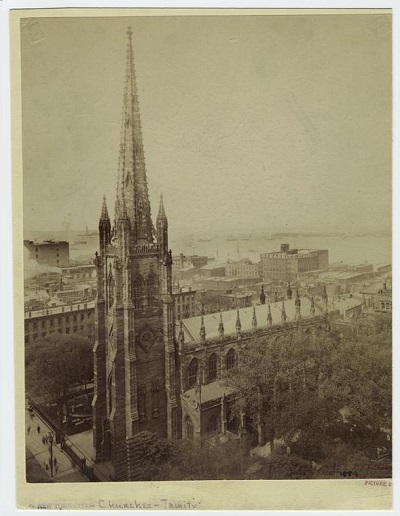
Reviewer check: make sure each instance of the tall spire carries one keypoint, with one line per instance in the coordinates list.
(132, 181)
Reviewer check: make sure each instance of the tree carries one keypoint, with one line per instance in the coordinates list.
(362, 379)
(54, 365)
(152, 455)
(279, 382)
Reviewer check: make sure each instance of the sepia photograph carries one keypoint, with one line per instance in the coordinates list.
(207, 248)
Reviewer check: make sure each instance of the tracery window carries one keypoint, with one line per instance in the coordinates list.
(192, 372)
(137, 292)
(230, 359)
(151, 290)
(212, 367)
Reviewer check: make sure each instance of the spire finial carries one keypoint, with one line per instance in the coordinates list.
(129, 32)
(221, 328)
(262, 295)
(104, 211)
(283, 316)
(181, 336)
(312, 309)
(238, 323)
(202, 329)
(161, 210)
(254, 320)
(269, 317)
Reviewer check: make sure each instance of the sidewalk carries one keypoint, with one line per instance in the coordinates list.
(63, 469)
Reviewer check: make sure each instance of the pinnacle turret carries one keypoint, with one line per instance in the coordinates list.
(262, 295)
(283, 315)
(238, 323)
(221, 326)
(312, 309)
(104, 210)
(269, 317)
(254, 320)
(202, 329)
(161, 211)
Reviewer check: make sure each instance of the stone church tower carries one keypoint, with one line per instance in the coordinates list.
(135, 380)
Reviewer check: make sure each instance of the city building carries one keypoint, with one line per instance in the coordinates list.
(76, 318)
(212, 270)
(178, 262)
(185, 302)
(287, 264)
(152, 370)
(224, 284)
(380, 295)
(79, 272)
(344, 281)
(198, 261)
(242, 268)
(54, 253)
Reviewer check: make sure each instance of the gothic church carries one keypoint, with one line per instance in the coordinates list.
(150, 371)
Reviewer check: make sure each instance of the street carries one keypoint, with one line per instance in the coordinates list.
(63, 469)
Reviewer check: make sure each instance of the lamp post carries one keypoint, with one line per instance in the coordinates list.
(51, 439)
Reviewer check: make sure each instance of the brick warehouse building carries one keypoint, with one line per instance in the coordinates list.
(151, 371)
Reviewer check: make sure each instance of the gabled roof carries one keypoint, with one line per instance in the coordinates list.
(191, 326)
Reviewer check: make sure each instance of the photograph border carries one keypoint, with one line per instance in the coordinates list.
(204, 495)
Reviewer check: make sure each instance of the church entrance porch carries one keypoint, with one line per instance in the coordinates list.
(206, 413)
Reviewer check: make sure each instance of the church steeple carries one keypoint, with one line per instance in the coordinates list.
(132, 181)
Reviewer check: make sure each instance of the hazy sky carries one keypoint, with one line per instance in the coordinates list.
(248, 122)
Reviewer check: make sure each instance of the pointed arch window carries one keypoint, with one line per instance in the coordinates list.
(192, 372)
(151, 290)
(212, 367)
(230, 359)
(111, 290)
(138, 291)
(189, 428)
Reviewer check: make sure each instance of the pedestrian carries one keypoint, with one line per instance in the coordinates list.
(43, 441)
(28, 429)
(38, 429)
(55, 462)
